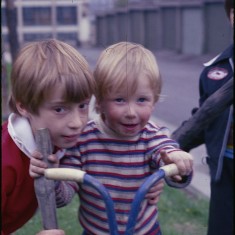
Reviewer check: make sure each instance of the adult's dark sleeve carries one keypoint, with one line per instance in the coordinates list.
(190, 134)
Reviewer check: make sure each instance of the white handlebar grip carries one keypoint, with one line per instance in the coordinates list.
(170, 169)
(65, 174)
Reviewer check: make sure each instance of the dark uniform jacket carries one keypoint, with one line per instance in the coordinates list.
(216, 73)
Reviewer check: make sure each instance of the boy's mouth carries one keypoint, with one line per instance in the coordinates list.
(130, 126)
(71, 137)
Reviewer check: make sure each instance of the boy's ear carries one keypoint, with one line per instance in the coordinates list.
(22, 110)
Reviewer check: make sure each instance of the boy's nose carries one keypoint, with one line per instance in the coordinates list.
(75, 121)
(131, 112)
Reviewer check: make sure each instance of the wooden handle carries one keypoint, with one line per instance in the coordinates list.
(44, 188)
(170, 169)
(65, 174)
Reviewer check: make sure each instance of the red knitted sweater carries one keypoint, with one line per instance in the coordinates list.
(19, 202)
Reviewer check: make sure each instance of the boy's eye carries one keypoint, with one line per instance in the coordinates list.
(142, 99)
(59, 109)
(84, 106)
(119, 100)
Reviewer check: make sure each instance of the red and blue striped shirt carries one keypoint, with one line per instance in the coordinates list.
(121, 165)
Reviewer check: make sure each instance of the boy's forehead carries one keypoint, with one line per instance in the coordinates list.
(56, 91)
(129, 89)
(55, 94)
(61, 91)
(60, 101)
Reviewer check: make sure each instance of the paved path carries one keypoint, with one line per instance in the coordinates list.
(181, 94)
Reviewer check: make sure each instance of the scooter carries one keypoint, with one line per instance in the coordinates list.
(84, 178)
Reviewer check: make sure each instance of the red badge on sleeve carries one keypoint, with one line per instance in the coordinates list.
(217, 73)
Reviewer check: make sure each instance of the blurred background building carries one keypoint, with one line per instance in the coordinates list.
(184, 26)
(47, 19)
(193, 27)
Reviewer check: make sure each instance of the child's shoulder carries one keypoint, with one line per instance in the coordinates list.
(90, 124)
(154, 128)
(10, 151)
(7, 140)
(90, 127)
(4, 125)
(5, 133)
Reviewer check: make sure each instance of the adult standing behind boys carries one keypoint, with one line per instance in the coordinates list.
(51, 88)
(218, 138)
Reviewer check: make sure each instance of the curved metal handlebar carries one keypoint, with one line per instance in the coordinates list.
(167, 170)
(65, 174)
(78, 175)
(170, 169)
(81, 177)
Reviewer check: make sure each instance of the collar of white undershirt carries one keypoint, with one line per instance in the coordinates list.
(21, 133)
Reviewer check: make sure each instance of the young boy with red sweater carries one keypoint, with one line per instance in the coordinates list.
(51, 88)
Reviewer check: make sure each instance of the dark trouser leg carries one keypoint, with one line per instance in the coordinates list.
(221, 203)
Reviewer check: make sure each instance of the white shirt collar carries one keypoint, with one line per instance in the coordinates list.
(21, 133)
(210, 62)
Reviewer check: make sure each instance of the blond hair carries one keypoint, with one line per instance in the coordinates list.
(41, 65)
(123, 65)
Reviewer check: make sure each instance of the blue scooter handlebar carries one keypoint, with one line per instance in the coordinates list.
(82, 177)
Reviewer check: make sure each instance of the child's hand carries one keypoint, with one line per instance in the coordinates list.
(183, 160)
(37, 166)
(51, 232)
(154, 193)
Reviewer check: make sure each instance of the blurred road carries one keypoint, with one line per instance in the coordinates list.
(180, 75)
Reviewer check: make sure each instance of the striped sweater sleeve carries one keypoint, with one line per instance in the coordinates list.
(169, 146)
(65, 190)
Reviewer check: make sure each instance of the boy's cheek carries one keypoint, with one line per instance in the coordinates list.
(36, 124)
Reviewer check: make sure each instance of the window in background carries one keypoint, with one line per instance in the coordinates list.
(37, 16)
(66, 15)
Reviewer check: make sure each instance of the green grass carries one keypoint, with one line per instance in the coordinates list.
(179, 214)
(182, 214)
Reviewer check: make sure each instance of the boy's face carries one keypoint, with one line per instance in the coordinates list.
(127, 114)
(65, 121)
